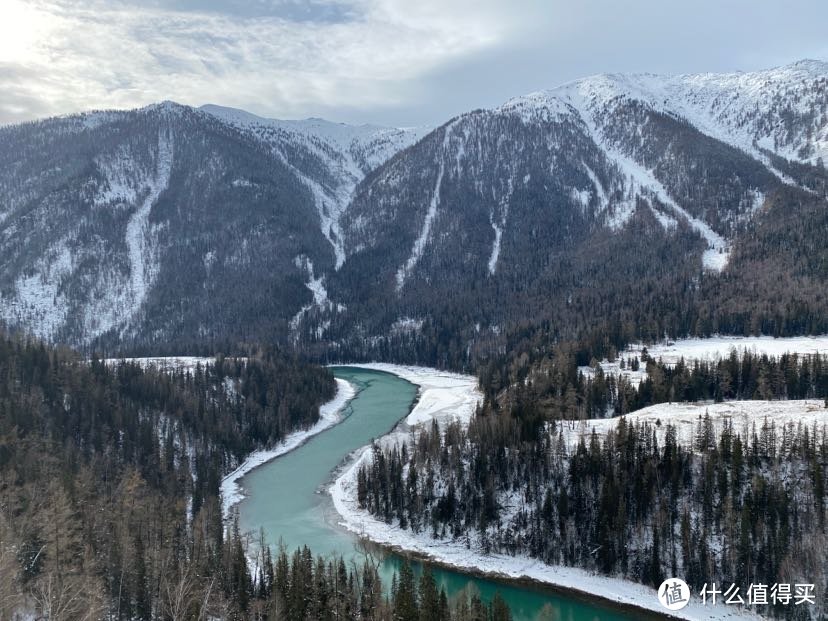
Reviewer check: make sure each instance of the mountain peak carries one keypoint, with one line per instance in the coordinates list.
(166, 107)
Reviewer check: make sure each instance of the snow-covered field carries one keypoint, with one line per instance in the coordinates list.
(330, 414)
(671, 352)
(445, 397)
(167, 363)
(686, 417)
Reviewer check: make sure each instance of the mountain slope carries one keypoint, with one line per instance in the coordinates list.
(168, 223)
(640, 202)
(636, 188)
(336, 158)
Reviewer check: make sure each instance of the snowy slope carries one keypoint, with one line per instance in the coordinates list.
(670, 352)
(346, 154)
(686, 417)
(782, 110)
(122, 182)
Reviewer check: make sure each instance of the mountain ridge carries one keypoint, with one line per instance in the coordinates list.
(377, 234)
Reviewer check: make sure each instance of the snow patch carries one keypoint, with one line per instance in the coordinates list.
(495, 248)
(419, 244)
(603, 200)
(187, 364)
(686, 417)
(38, 301)
(499, 226)
(643, 181)
(667, 222)
(406, 325)
(143, 263)
(320, 295)
(709, 349)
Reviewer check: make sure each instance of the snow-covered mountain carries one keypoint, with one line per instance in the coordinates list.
(135, 225)
(610, 187)
(634, 128)
(338, 156)
(688, 199)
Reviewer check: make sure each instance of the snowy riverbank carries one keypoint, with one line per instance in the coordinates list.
(445, 396)
(330, 414)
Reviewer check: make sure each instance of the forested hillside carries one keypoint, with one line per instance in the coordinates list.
(109, 479)
(728, 503)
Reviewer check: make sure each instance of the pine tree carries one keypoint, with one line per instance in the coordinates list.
(499, 609)
(429, 598)
(405, 596)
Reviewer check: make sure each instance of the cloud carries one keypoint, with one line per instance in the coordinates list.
(75, 56)
(390, 61)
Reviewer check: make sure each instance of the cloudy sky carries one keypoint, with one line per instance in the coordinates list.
(396, 62)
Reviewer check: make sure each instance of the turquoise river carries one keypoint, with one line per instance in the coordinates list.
(286, 499)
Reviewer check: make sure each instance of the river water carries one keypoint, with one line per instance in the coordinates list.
(286, 499)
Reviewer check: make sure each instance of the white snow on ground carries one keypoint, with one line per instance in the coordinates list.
(498, 227)
(445, 397)
(143, 267)
(38, 301)
(713, 347)
(315, 285)
(320, 296)
(667, 222)
(330, 414)
(670, 352)
(167, 363)
(642, 180)
(498, 231)
(422, 239)
(114, 296)
(686, 417)
(119, 182)
(603, 200)
(745, 110)
(406, 325)
(425, 232)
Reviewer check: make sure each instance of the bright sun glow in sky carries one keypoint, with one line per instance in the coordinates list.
(386, 61)
(21, 27)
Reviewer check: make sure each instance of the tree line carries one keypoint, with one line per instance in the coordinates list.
(560, 388)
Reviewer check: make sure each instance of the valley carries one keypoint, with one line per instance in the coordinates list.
(535, 358)
(283, 497)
